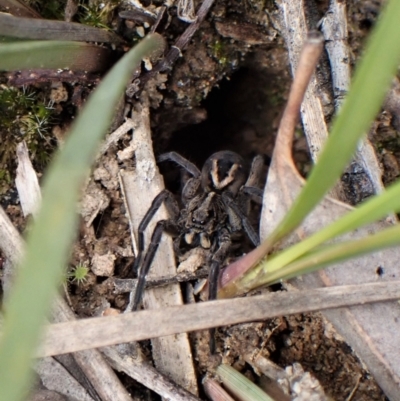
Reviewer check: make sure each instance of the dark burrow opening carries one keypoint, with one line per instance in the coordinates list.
(240, 117)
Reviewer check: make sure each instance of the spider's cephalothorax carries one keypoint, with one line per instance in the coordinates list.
(214, 206)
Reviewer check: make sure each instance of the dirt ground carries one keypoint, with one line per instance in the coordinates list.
(227, 92)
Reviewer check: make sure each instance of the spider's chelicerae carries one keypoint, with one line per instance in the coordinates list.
(215, 205)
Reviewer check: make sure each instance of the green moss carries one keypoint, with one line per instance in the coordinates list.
(79, 274)
(98, 13)
(24, 115)
(219, 52)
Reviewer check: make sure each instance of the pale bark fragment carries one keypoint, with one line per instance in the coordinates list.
(27, 182)
(172, 355)
(55, 377)
(120, 358)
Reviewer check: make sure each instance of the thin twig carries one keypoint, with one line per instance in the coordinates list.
(122, 286)
(115, 136)
(181, 43)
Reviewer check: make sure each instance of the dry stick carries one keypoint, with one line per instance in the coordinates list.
(137, 15)
(147, 375)
(185, 38)
(334, 28)
(160, 16)
(54, 376)
(176, 50)
(92, 363)
(140, 371)
(115, 136)
(135, 326)
(122, 286)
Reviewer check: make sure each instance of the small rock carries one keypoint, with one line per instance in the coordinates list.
(103, 265)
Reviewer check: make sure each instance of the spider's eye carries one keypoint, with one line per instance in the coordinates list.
(193, 220)
(202, 222)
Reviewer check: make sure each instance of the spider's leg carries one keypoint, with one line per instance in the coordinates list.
(190, 189)
(212, 294)
(252, 186)
(181, 161)
(148, 259)
(255, 193)
(173, 210)
(224, 242)
(251, 233)
(256, 172)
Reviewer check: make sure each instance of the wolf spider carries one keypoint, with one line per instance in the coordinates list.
(215, 205)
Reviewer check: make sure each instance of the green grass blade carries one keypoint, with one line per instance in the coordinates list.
(240, 386)
(330, 254)
(373, 209)
(49, 54)
(371, 81)
(51, 236)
